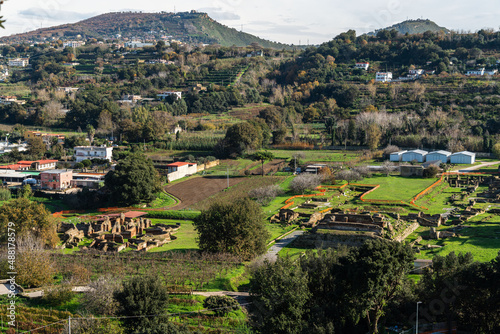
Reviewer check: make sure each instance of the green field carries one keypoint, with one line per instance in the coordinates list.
(317, 155)
(396, 187)
(186, 237)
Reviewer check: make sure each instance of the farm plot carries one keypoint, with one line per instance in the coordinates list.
(197, 189)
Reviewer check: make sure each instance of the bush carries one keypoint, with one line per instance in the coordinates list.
(185, 215)
(5, 194)
(390, 149)
(305, 182)
(264, 195)
(221, 305)
(431, 171)
(58, 295)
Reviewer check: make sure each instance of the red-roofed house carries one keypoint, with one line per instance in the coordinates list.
(179, 169)
(39, 164)
(16, 167)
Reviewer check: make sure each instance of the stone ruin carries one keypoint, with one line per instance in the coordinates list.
(465, 181)
(426, 219)
(285, 216)
(354, 222)
(117, 232)
(433, 234)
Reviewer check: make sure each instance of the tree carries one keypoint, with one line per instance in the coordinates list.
(263, 156)
(348, 175)
(36, 147)
(34, 264)
(90, 133)
(232, 227)
(28, 217)
(373, 135)
(372, 275)
(133, 181)
(99, 299)
(280, 293)
(496, 150)
(25, 192)
(387, 167)
(140, 296)
(304, 182)
(241, 137)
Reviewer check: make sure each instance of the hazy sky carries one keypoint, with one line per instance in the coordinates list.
(288, 21)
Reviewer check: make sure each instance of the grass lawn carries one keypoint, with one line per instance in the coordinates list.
(396, 187)
(482, 240)
(437, 199)
(185, 237)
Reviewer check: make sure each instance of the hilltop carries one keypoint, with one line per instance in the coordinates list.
(190, 27)
(418, 26)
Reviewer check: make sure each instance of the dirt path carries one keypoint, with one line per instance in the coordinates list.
(197, 189)
(484, 164)
(272, 253)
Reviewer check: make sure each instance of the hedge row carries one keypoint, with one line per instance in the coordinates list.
(186, 215)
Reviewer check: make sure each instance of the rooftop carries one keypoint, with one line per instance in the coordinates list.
(177, 164)
(56, 171)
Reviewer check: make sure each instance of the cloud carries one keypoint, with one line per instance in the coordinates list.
(54, 15)
(219, 15)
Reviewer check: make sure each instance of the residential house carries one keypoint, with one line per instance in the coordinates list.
(179, 170)
(476, 72)
(73, 44)
(39, 164)
(418, 155)
(463, 157)
(363, 66)
(93, 152)
(416, 72)
(137, 44)
(19, 62)
(10, 99)
(56, 179)
(443, 156)
(383, 76)
(164, 95)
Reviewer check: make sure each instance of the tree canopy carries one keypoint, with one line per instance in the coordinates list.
(133, 181)
(236, 227)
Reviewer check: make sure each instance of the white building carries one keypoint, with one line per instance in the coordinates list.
(463, 157)
(73, 44)
(491, 72)
(383, 77)
(137, 44)
(19, 62)
(178, 170)
(93, 152)
(416, 72)
(396, 156)
(363, 66)
(418, 155)
(438, 155)
(164, 95)
(476, 72)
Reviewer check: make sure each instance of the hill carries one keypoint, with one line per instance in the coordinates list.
(192, 27)
(418, 26)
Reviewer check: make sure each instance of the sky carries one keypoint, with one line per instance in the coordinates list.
(290, 21)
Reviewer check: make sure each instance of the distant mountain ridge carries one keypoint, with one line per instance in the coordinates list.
(417, 26)
(191, 27)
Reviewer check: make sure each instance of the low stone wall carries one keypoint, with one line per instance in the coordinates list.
(333, 225)
(409, 230)
(332, 240)
(210, 164)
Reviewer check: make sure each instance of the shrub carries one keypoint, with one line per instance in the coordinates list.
(305, 182)
(221, 305)
(431, 171)
(264, 195)
(390, 149)
(58, 295)
(5, 194)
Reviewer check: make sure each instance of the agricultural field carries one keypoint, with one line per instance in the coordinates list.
(396, 188)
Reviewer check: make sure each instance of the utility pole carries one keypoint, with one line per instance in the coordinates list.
(227, 177)
(416, 326)
(69, 325)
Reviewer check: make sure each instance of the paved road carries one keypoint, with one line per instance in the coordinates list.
(272, 253)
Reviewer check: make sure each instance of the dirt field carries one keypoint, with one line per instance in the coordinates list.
(195, 190)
